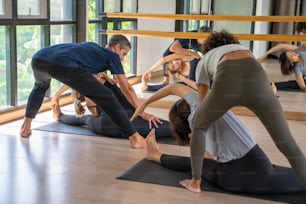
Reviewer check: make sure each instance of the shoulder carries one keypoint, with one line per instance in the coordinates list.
(192, 98)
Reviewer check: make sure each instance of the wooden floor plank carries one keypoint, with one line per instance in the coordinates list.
(76, 169)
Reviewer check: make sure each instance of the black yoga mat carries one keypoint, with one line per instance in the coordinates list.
(151, 172)
(79, 130)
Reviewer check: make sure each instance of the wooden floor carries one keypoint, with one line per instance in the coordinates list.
(58, 168)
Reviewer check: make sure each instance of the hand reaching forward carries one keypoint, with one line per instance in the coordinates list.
(152, 119)
(138, 111)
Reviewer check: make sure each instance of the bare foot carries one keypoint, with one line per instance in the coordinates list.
(152, 147)
(25, 130)
(192, 185)
(56, 111)
(137, 141)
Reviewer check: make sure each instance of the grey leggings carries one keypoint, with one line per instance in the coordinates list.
(244, 82)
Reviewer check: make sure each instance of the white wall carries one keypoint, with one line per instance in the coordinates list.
(263, 9)
(150, 49)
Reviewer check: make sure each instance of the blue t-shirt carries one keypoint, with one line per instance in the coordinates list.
(91, 56)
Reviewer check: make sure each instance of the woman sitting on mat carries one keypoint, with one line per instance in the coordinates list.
(233, 161)
(292, 60)
(100, 123)
(179, 67)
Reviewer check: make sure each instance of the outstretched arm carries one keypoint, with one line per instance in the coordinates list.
(177, 48)
(55, 99)
(189, 82)
(282, 46)
(171, 89)
(130, 94)
(161, 61)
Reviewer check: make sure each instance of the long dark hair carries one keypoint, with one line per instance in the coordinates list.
(178, 119)
(217, 39)
(286, 66)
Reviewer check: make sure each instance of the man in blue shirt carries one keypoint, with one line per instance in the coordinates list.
(74, 65)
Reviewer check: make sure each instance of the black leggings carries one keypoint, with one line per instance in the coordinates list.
(288, 85)
(84, 83)
(156, 87)
(253, 173)
(103, 124)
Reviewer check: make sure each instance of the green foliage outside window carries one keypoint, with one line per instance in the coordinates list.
(28, 42)
(2, 67)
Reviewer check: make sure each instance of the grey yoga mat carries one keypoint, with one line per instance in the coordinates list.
(151, 172)
(80, 130)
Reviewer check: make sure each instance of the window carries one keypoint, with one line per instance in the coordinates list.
(28, 42)
(62, 34)
(192, 7)
(25, 29)
(32, 9)
(62, 10)
(227, 8)
(3, 72)
(5, 9)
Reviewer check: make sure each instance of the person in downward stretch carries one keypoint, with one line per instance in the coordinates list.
(232, 161)
(238, 80)
(74, 64)
(99, 122)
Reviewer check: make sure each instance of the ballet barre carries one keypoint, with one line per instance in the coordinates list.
(195, 35)
(205, 17)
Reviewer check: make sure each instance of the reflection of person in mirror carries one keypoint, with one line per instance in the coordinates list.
(181, 47)
(301, 27)
(292, 61)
